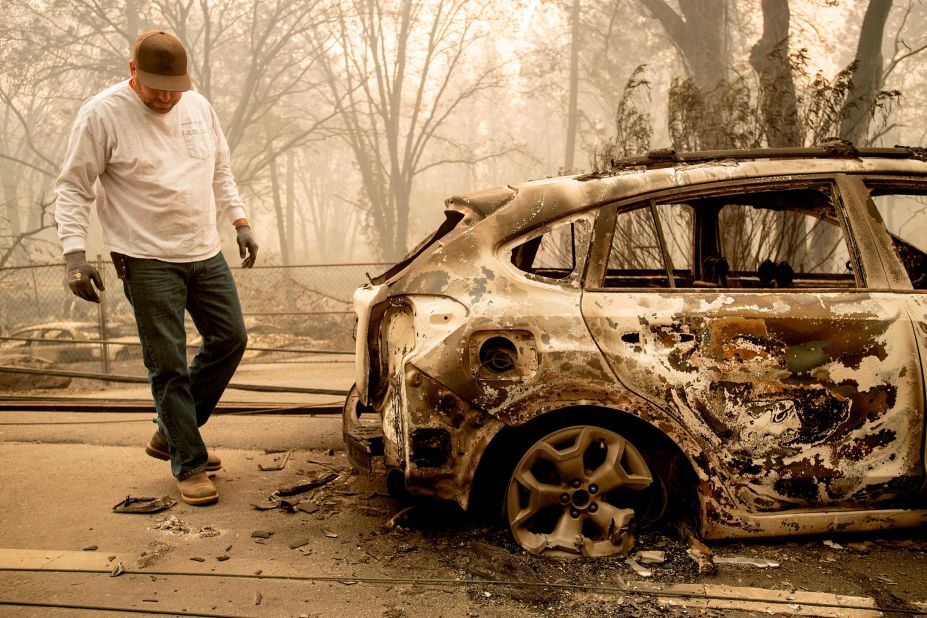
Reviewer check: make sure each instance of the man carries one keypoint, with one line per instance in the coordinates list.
(163, 164)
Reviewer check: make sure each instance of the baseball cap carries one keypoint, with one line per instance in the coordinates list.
(160, 61)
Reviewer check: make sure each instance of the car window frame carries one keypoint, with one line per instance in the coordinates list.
(582, 241)
(607, 214)
(896, 275)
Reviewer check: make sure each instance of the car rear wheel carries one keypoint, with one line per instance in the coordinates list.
(577, 492)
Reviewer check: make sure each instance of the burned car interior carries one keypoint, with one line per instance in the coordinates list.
(734, 338)
(900, 206)
(764, 239)
(551, 255)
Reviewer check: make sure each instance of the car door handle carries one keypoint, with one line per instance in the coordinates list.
(670, 335)
(667, 334)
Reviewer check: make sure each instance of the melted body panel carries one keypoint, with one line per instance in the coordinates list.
(810, 398)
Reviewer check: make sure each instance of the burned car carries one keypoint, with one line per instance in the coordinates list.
(734, 335)
(69, 342)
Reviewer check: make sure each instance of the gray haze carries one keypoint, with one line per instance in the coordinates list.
(351, 121)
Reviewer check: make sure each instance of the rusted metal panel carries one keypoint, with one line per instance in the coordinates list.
(808, 398)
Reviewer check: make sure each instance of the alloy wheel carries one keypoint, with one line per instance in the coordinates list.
(574, 493)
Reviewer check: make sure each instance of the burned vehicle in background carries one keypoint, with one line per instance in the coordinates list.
(735, 335)
(70, 342)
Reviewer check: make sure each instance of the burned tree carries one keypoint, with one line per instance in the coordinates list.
(867, 77)
(770, 59)
(395, 74)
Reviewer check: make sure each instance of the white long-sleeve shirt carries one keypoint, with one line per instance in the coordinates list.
(163, 177)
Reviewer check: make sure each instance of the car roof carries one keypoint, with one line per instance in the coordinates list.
(535, 202)
(829, 150)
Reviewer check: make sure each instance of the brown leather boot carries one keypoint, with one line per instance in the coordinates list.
(197, 490)
(159, 449)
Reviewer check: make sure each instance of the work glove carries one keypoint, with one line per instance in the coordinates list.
(246, 245)
(82, 276)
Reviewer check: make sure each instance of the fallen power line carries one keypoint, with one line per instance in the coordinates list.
(190, 346)
(620, 590)
(109, 608)
(260, 388)
(144, 406)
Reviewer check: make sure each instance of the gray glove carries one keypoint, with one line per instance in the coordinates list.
(246, 244)
(82, 275)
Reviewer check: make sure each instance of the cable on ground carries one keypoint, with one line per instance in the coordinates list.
(260, 388)
(103, 608)
(270, 411)
(440, 581)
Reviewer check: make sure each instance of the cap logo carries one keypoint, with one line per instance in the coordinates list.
(165, 62)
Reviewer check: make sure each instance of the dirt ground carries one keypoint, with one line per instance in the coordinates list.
(345, 547)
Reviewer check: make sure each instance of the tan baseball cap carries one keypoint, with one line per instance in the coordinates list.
(160, 61)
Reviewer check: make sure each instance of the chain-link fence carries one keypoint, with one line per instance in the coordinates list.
(289, 311)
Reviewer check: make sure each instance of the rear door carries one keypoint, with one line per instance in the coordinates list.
(745, 314)
(901, 204)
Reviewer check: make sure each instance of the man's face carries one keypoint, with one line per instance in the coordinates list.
(159, 101)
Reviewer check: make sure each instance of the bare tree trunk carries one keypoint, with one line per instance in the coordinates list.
(14, 228)
(205, 85)
(698, 34)
(572, 112)
(278, 211)
(867, 81)
(399, 182)
(304, 255)
(10, 200)
(777, 98)
(281, 235)
(770, 59)
(290, 201)
(403, 201)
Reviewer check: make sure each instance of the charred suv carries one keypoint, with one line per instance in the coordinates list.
(739, 335)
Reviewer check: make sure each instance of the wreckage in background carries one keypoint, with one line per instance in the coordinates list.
(732, 335)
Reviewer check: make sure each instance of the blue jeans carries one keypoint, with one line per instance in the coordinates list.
(159, 292)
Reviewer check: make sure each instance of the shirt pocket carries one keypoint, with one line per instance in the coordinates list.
(197, 141)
